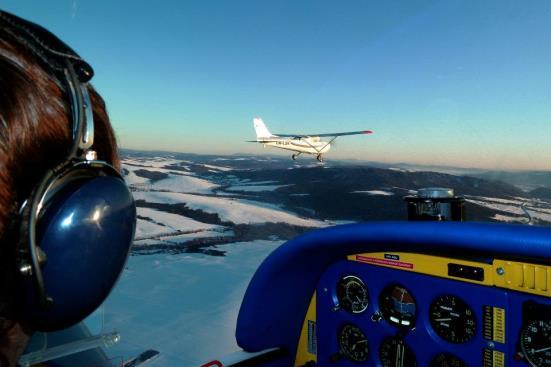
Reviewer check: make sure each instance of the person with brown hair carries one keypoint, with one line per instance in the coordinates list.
(37, 130)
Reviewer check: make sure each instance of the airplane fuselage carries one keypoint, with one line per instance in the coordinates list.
(307, 145)
(298, 143)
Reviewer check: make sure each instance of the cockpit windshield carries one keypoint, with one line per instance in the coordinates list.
(243, 124)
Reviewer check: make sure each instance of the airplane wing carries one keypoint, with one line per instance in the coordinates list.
(334, 135)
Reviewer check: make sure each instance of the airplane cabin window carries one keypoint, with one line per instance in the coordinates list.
(320, 183)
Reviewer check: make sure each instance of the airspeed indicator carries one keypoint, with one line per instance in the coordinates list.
(352, 294)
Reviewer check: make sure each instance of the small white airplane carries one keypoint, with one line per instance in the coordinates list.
(298, 143)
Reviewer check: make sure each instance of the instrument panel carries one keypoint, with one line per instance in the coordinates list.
(389, 313)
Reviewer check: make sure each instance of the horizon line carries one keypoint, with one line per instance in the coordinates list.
(427, 165)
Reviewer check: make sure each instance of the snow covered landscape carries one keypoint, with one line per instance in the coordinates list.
(206, 223)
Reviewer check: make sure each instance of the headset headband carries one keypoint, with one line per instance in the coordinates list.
(48, 47)
(67, 65)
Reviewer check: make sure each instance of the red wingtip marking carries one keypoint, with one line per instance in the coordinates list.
(368, 132)
(213, 364)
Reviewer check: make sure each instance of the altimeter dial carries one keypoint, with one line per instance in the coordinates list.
(535, 343)
(452, 319)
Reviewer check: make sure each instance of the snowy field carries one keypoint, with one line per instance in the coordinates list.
(515, 210)
(182, 296)
(229, 209)
(184, 306)
(374, 192)
(182, 202)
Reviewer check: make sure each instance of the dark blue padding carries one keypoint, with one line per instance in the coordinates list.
(86, 234)
(276, 301)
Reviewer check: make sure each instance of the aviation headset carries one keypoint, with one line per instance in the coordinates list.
(76, 227)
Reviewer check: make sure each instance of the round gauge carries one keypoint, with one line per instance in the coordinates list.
(452, 319)
(395, 353)
(353, 343)
(398, 306)
(535, 343)
(352, 294)
(446, 360)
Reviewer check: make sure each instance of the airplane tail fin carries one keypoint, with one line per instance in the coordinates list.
(261, 129)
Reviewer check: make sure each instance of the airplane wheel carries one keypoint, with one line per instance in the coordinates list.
(294, 156)
(320, 158)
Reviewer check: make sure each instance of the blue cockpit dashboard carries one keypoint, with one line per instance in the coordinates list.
(413, 319)
(404, 294)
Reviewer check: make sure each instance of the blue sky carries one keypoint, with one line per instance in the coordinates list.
(463, 83)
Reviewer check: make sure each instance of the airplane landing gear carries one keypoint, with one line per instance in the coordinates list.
(294, 156)
(320, 158)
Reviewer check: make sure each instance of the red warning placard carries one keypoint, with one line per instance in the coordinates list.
(386, 262)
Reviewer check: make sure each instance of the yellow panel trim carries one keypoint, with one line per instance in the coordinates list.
(424, 264)
(518, 276)
(303, 355)
(523, 277)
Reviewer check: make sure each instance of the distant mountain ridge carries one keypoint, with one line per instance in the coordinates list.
(541, 193)
(524, 179)
(197, 203)
(336, 192)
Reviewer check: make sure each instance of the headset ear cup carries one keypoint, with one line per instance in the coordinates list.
(85, 230)
(25, 280)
